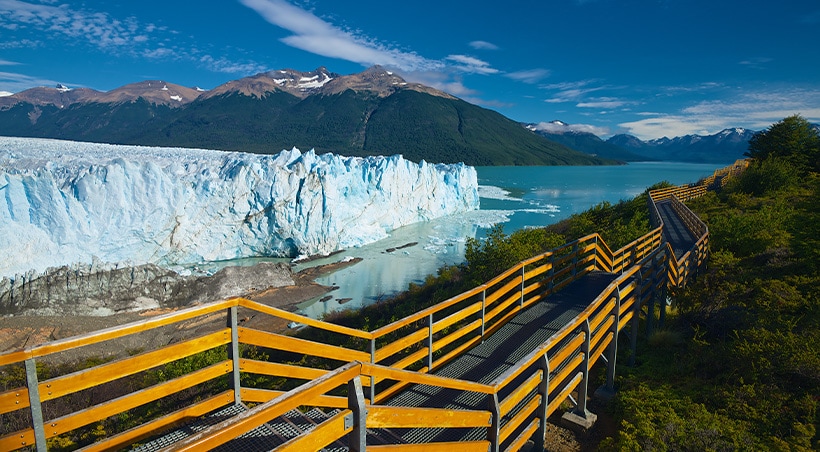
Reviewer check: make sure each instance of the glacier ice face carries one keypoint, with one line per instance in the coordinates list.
(65, 202)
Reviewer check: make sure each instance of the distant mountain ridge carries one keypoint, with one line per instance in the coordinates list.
(725, 146)
(587, 142)
(374, 112)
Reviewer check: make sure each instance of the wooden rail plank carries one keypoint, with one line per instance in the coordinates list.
(324, 434)
(566, 371)
(14, 400)
(302, 319)
(87, 416)
(381, 416)
(280, 370)
(510, 427)
(387, 329)
(456, 335)
(525, 435)
(244, 422)
(520, 393)
(555, 402)
(402, 344)
(292, 344)
(414, 357)
(461, 446)
(254, 395)
(95, 376)
(456, 317)
(566, 351)
(118, 442)
(127, 329)
(390, 373)
(18, 440)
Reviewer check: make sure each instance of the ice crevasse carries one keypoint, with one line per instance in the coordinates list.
(65, 202)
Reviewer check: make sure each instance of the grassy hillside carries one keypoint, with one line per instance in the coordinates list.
(737, 366)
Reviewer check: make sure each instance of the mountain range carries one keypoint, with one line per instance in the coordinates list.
(725, 146)
(374, 112)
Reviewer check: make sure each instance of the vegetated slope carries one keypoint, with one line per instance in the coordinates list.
(737, 367)
(371, 113)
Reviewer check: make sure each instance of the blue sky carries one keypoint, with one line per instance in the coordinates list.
(649, 68)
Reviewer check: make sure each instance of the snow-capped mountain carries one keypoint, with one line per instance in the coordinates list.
(68, 202)
(374, 112)
(725, 146)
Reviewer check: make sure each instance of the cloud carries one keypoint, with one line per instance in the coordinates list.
(603, 102)
(673, 126)
(229, 66)
(20, 44)
(471, 65)
(530, 76)
(8, 63)
(95, 28)
(108, 34)
(756, 63)
(483, 45)
(570, 91)
(755, 110)
(560, 127)
(313, 34)
(15, 82)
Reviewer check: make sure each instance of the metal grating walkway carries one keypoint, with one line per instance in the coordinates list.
(497, 354)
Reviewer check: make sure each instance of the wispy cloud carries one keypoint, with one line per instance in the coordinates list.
(471, 65)
(8, 63)
(604, 102)
(14, 82)
(755, 110)
(571, 91)
(111, 35)
(559, 128)
(96, 28)
(531, 76)
(756, 63)
(315, 35)
(483, 45)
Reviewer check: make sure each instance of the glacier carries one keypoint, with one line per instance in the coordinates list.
(64, 202)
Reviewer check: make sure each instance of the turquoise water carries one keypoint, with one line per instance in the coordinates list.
(517, 197)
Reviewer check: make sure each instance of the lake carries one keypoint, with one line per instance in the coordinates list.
(517, 197)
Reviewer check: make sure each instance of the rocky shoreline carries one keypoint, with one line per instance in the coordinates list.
(69, 302)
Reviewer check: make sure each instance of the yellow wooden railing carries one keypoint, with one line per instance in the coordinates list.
(384, 361)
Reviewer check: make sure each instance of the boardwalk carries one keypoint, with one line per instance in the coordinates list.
(485, 368)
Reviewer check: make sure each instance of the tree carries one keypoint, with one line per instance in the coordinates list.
(793, 139)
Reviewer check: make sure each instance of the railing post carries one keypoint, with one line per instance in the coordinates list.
(233, 354)
(523, 272)
(612, 351)
(483, 311)
(372, 378)
(574, 260)
(581, 406)
(551, 273)
(636, 318)
(355, 401)
(35, 406)
(430, 342)
(543, 390)
(495, 424)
